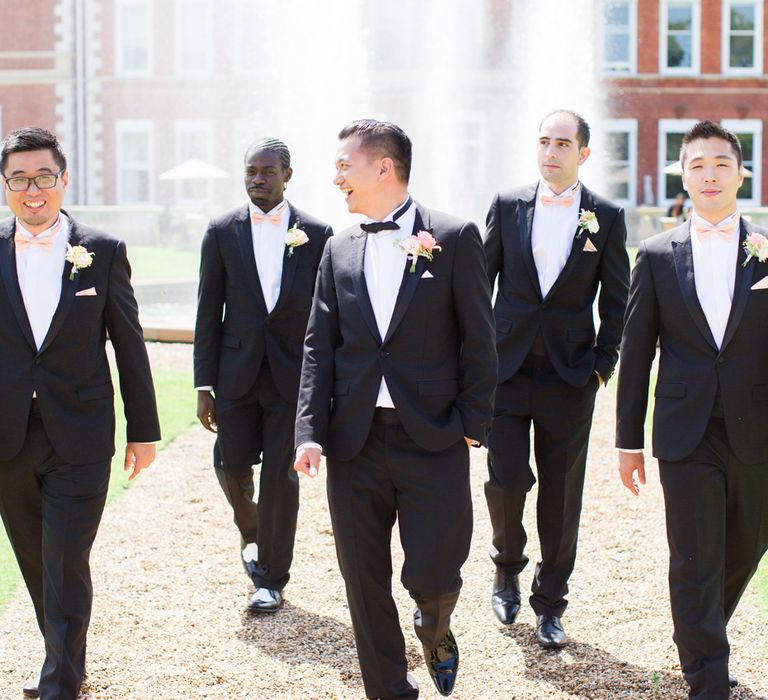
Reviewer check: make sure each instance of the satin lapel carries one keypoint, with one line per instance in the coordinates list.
(245, 241)
(68, 289)
(11, 279)
(577, 247)
(525, 226)
(289, 264)
(410, 279)
(741, 286)
(357, 266)
(683, 256)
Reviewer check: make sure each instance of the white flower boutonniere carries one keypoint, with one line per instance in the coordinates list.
(294, 238)
(587, 222)
(79, 257)
(756, 246)
(423, 245)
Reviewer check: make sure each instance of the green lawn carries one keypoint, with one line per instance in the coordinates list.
(152, 263)
(176, 404)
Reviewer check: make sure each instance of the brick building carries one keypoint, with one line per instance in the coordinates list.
(669, 63)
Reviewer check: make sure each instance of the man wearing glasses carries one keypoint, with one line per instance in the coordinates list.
(63, 287)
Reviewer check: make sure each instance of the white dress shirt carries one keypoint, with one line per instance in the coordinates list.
(554, 228)
(714, 275)
(39, 272)
(269, 250)
(714, 272)
(383, 270)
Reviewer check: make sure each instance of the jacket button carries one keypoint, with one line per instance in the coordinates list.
(384, 353)
(544, 306)
(38, 361)
(721, 360)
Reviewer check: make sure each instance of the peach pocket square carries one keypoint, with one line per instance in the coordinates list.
(589, 247)
(90, 292)
(762, 284)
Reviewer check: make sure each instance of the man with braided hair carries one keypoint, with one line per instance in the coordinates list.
(257, 275)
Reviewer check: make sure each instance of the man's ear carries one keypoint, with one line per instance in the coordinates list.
(386, 167)
(584, 152)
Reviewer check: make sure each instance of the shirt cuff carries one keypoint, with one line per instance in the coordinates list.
(307, 445)
(633, 451)
(203, 388)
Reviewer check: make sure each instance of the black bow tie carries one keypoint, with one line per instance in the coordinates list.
(377, 226)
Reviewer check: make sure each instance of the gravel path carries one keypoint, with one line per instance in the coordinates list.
(169, 620)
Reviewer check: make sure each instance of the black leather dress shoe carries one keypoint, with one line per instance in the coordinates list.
(550, 632)
(30, 687)
(732, 682)
(267, 600)
(505, 599)
(443, 664)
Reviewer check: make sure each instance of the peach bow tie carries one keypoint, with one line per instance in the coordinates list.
(25, 242)
(556, 201)
(272, 218)
(704, 232)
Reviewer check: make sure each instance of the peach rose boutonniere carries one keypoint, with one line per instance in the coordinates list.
(422, 245)
(79, 257)
(294, 238)
(756, 246)
(587, 222)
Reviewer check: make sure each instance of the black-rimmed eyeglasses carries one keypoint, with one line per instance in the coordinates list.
(42, 182)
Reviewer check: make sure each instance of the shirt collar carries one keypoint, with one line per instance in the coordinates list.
(569, 191)
(730, 220)
(391, 214)
(252, 208)
(50, 232)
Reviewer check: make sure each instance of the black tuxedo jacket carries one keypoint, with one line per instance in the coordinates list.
(70, 372)
(663, 305)
(233, 331)
(438, 355)
(564, 316)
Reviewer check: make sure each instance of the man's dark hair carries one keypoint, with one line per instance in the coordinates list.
(582, 128)
(32, 138)
(383, 139)
(711, 130)
(271, 144)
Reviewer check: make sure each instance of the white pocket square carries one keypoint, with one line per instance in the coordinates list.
(589, 247)
(90, 292)
(427, 275)
(762, 284)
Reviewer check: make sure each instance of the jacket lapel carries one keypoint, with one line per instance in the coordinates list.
(525, 226)
(577, 247)
(11, 280)
(68, 289)
(357, 266)
(245, 241)
(410, 279)
(683, 257)
(289, 264)
(741, 286)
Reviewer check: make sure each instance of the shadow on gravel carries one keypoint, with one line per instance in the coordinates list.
(589, 673)
(300, 638)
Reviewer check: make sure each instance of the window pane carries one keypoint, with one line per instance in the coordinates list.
(747, 146)
(617, 14)
(617, 48)
(745, 191)
(742, 52)
(618, 146)
(135, 148)
(679, 53)
(674, 141)
(135, 186)
(743, 17)
(134, 40)
(680, 17)
(672, 184)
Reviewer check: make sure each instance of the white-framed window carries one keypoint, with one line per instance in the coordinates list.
(742, 42)
(192, 140)
(133, 38)
(750, 133)
(246, 16)
(621, 160)
(680, 37)
(671, 132)
(193, 23)
(619, 47)
(134, 164)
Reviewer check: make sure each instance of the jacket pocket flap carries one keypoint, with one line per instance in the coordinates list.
(230, 341)
(89, 393)
(340, 387)
(438, 387)
(503, 325)
(579, 335)
(670, 390)
(760, 392)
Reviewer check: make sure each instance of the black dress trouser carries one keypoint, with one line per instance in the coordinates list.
(51, 511)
